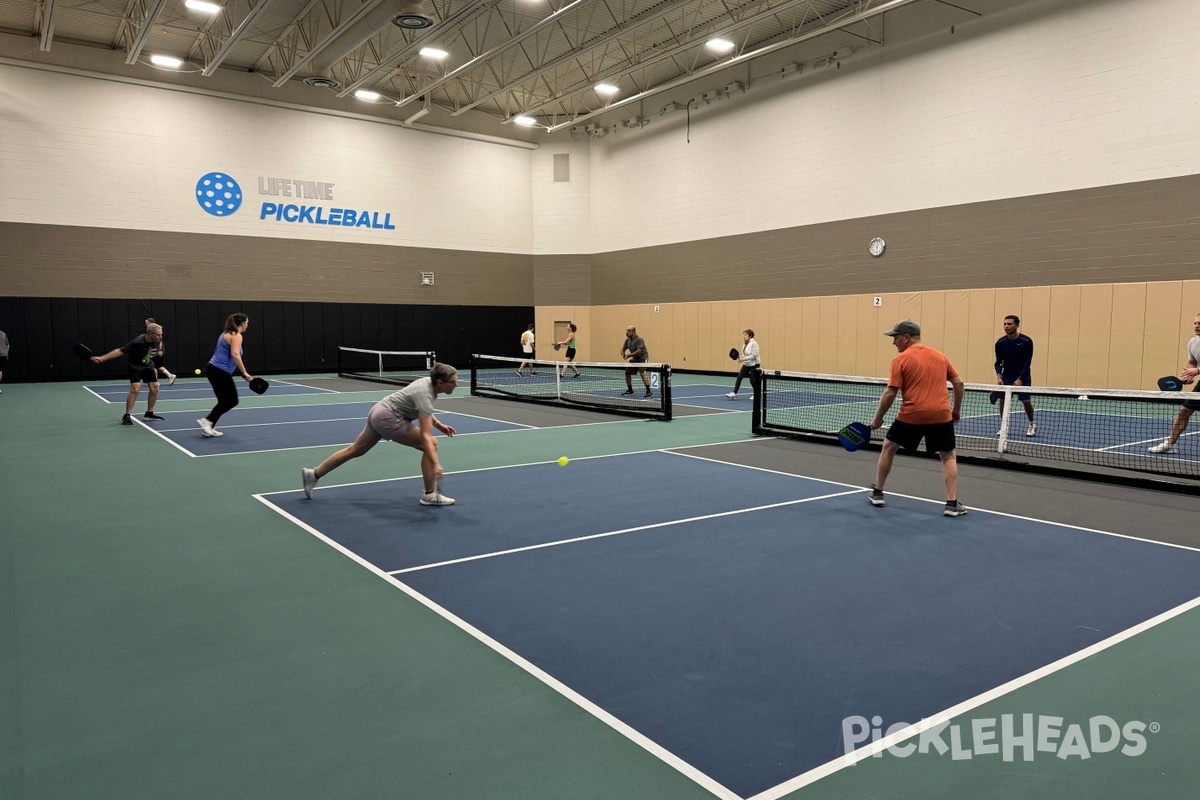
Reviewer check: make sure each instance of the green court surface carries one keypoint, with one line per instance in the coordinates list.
(163, 634)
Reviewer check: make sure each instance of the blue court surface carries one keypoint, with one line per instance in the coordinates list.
(255, 430)
(194, 389)
(712, 395)
(733, 617)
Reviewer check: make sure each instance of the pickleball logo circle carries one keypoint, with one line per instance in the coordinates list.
(218, 194)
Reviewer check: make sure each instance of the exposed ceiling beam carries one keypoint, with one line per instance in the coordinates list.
(148, 23)
(349, 21)
(235, 35)
(594, 44)
(46, 28)
(722, 65)
(482, 58)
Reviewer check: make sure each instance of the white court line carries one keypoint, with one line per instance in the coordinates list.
(616, 724)
(531, 464)
(315, 446)
(831, 767)
(972, 509)
(634, 529)
(103, 399)
(1146, 441)
(168, 439)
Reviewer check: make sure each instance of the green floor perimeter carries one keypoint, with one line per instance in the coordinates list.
(165, 635)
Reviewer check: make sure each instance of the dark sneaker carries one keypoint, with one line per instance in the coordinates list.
(151, 415)
(125, 420)
(649, 393)
(876, 497)
(955, 509)
(627, 393)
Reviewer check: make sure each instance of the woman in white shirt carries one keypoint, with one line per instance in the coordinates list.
(750, 363)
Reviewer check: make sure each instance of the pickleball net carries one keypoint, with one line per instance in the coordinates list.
(399, 367)
(1078, 429)
(598, 387)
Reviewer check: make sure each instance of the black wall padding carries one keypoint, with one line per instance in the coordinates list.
(282, 338)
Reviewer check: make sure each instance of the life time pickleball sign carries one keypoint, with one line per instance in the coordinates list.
(220, 194)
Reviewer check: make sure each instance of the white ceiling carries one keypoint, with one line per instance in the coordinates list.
(540, 58)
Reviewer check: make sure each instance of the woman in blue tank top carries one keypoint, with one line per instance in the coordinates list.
(226, 360)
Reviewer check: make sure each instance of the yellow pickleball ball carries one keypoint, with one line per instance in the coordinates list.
(197, 372)
(563, 461)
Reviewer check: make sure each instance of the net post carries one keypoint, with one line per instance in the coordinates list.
(474, 378)
(666, 392)
(756, 409)
(1005, 413)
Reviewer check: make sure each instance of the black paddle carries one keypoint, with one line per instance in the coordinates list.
(259, 385)
(1170, 383)
(81, 351)
(733, 353)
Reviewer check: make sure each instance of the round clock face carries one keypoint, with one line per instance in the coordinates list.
(876, 247)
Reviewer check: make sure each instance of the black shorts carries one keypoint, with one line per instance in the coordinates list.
(634, 370)
(1193, 405)
(3, 362)
(570, 352)
(142, 375)
(1022, 397)
(938, 436)
(158, 361)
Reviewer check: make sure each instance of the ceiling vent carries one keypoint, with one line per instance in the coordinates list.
(322, 82)
(411, 15)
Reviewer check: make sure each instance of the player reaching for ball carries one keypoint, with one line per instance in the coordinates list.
(404, 417)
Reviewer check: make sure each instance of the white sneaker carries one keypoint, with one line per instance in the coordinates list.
(732, 395)
(171, 379)
(436, 498)
(1164, 447)
(1031, 430)
(308, 479)
(207, 427)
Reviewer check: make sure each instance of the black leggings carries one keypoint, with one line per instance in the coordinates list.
(745, 371)
(225, 390)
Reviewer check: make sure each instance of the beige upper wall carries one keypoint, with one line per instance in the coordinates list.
(1121, 336)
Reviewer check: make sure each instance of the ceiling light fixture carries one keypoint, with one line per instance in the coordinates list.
(367, 94)
(522, 119)
(166, 62)
(719, 45)
(606, 88)
(432, 52)
(202, 6)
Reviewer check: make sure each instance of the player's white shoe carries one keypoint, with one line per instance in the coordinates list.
(436, 498)
(732, 395)
(308, 479)
(1164, 446)
(206, 427)
(1031, 430)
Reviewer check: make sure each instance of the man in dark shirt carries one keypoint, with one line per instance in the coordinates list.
(1014, 354)
(139, 356)
(634, 351)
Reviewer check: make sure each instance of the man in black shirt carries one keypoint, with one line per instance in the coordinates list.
(139, 355)
(1014, 354)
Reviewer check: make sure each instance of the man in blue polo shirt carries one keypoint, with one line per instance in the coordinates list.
(1014, 354)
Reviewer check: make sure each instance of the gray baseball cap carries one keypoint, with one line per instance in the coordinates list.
(904, 326)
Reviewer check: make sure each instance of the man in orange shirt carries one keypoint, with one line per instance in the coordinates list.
(919, 375)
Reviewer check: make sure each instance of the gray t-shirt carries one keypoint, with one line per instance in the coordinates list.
(412, 401)
(634, 343)
(3, 345)
(1193, 348)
